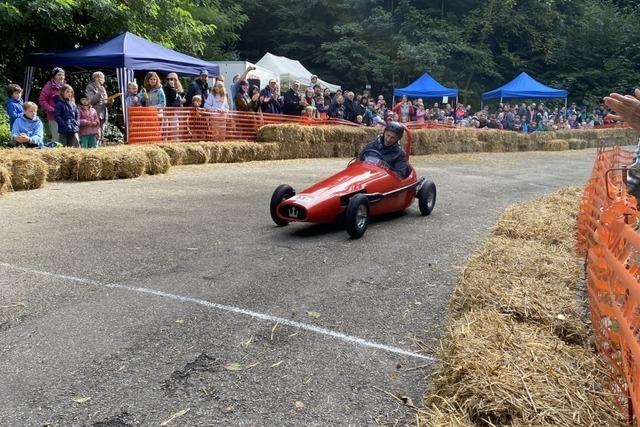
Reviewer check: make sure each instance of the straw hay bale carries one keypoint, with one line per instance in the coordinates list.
(579, 144)
(90, 166)
(496, 371)
(63, 163)
(195, 154)
(5, 180)
(549, 219)
(157, 160)
(176, 152)
(26, 170)
(445, 141)
(555, 145)
(527, 280)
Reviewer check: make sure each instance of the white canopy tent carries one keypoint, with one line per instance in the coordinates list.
(290, 70)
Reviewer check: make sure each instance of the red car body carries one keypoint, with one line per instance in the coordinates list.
(360, 191)
(325, 201)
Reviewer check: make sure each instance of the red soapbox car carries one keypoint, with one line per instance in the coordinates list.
(365, 188)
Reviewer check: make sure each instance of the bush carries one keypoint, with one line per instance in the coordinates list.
(5, 132)
(113, 134)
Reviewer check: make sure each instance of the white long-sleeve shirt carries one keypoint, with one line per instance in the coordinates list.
(216, 103)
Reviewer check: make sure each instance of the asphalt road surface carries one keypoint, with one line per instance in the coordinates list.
(174, 299)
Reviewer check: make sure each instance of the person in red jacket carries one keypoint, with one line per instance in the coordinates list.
(47, 99)
(405, 110)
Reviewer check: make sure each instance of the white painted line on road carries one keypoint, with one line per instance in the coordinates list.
(223, 307)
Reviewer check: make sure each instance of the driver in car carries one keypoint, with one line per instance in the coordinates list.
(386, 148)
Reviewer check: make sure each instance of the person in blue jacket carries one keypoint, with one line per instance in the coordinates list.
(67, 116)
(27, 130)
(14, 104)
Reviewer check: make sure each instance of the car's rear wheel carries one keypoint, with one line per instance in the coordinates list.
(427, 197)
(357, 215)
(281, 193)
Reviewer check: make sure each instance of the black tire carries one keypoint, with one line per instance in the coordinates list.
(282, 192)
(357, 215)
(427, 197)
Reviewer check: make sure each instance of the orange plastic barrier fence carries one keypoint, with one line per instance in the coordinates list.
(609, 242)
(152, 125)
(173, 124)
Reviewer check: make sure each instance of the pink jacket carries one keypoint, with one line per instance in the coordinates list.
(47, 99)
(89, 122)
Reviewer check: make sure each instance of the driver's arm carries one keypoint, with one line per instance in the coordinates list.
(400, 166)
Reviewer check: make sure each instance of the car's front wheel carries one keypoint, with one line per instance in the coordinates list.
(281, 193)
(427, 197)
(357, 215)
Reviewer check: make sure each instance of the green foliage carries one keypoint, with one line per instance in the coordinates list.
(5, 132)
(205, 28)
(113, 134)
(589, 47)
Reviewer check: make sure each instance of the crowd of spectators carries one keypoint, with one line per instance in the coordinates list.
(84, 126)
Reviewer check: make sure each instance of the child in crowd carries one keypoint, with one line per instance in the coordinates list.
(89, 124)
(14, 104)
(67, 117)
(196, 101)
(27, 130)
(131, 99)
(152, 94)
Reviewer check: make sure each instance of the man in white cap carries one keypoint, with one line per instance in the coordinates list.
(199, 86)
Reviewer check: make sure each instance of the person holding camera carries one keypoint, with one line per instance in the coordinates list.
(236, 86)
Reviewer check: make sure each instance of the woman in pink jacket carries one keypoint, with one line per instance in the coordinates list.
(47, 99)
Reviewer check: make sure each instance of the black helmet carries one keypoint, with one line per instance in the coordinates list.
(396, 128)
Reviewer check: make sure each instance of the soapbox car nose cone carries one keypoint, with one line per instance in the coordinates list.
(281, 193)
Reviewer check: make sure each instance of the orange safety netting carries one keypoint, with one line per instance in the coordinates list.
(174, 124)
(151, 125)
(609, 241)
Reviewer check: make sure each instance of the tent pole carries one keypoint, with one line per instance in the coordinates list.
(28, 77)
(565, 108)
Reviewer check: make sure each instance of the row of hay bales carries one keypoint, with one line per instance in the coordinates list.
(298, 141)
(29, 169)
(517, 350)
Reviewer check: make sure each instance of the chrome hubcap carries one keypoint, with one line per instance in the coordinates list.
(361, 216)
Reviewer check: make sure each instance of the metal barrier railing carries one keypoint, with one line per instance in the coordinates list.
(609, 242)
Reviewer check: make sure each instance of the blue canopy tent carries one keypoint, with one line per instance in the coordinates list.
(524, 87)
(126, 53)
(426, 87)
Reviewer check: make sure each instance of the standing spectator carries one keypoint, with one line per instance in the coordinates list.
(313, 81)
(199, 86)
(97, 95)
(308, 101)
(420, 112)
(152, 93)
(68, 117)
(269, 99)
(350, 106)
(243, 101)
(317, 91)
(235, 86)
(327, 97)
(361, 107)
(254, 94)
(14, 106)
(196, 101)
(27, 130)
(47, 99)
(321, 108)
(404, 110)
(338, 109)
(131, 99)
(89, 124)
(292, 101)
(173, 91)
(217, 99)
(460, 112)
